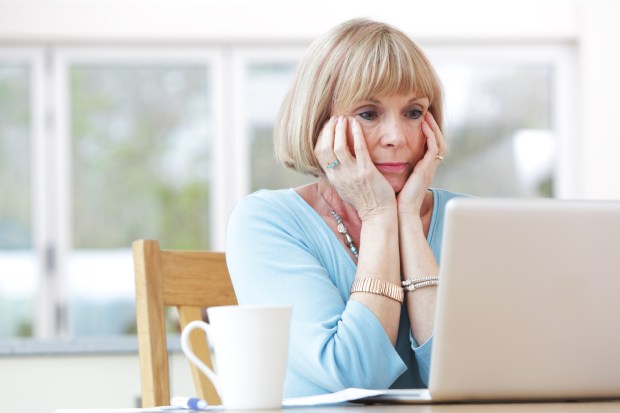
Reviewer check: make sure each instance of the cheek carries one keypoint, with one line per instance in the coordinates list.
(368, 133)
(417, 141)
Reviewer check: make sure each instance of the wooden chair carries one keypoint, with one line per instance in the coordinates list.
(190, 281)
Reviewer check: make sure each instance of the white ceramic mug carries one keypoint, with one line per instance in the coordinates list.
(250, 348)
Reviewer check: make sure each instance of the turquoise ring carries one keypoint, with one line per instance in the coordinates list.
(333, 164)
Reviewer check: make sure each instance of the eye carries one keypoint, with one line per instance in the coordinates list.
(415, 113)
(368, 114)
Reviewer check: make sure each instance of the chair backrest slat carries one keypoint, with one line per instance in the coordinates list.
(190, 281)
(196, 278)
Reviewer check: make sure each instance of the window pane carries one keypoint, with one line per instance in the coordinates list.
(498, 127)
(267, 85)
(17, 258)
(141, 150)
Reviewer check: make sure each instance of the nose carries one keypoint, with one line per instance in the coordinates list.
(393, 132)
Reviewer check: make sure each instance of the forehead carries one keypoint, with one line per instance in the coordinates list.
(399, 99)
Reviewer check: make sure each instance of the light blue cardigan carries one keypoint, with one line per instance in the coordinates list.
(280, 251)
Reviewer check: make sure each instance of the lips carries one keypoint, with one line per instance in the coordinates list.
(392, 167)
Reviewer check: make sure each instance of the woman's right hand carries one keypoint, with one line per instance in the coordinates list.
(355, 178)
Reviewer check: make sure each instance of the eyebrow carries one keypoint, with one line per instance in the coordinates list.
(412, 100)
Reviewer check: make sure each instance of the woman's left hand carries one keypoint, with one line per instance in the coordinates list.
(412, 194)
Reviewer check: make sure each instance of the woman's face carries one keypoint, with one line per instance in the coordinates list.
(392, 127)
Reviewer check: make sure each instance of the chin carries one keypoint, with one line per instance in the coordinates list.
(397, 182)
(397, 186)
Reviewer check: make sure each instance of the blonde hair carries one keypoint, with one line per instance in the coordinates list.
(355, 61)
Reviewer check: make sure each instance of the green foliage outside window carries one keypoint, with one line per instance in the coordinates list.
(141, 153)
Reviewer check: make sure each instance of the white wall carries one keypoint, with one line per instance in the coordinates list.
(43, 384)
(279, 20)
(599, 88)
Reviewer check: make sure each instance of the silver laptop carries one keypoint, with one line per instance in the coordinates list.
(528, 304)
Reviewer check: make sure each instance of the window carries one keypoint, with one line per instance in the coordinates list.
(141, 162)
(267, 83)
(126, 153)
(262, 79)
(101, 146)
(18, 270)
(501, 120)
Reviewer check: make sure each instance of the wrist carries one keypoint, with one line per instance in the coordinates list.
(408, 211)
(382, 215)
(410, 223)
(379, 210)
(380, 229)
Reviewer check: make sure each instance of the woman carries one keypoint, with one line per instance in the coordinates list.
(363, 116)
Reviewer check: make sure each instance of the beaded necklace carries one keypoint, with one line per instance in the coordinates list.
(342, 229)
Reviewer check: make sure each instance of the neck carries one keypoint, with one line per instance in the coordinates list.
(349, 239)
(328, 196)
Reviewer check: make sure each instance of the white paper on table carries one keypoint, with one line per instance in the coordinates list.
(341, 396)
(320, 399)
(160, 409)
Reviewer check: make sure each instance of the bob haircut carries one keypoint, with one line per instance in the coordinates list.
(355, 61)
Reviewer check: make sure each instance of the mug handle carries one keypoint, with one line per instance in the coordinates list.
(187, 349)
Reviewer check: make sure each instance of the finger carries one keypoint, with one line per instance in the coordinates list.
(441, 142)
(323, 149)
(431, 158)
(359, 143)
(427, 166)
(431, 140)
(341, 147)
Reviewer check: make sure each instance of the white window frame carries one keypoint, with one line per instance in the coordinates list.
(34, 58)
